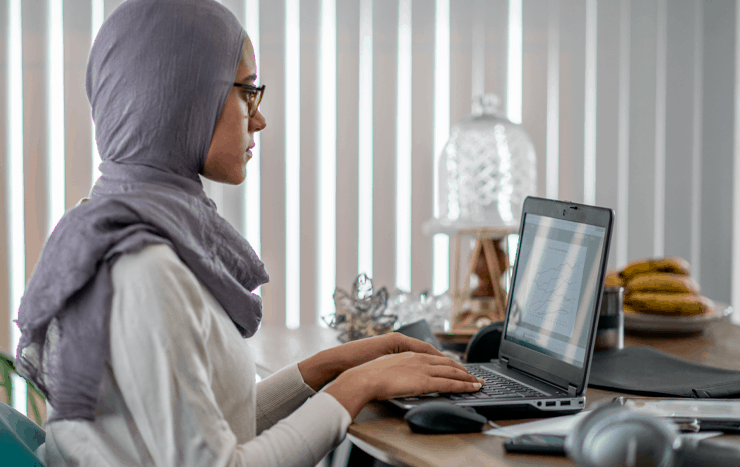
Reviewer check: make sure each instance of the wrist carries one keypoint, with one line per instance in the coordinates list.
(352, 390)
(319, 369)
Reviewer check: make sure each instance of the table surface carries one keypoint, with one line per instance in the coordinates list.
(380, 429)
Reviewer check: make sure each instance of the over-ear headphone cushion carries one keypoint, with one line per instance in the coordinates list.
(484, 345)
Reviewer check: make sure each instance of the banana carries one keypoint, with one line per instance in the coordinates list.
(674, 265)
(662, 282)
(612, 279)
(675, 304)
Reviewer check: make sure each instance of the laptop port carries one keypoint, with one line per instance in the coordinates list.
(550, 404)
(565, 403)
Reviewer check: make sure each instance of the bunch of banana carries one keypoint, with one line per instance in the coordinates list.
(659, 286)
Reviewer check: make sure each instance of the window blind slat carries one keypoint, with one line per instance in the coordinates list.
(385, 78)
(77, 123)
(423, 156)
(492, 16)
(310, 21)
(679, 131)
(348, 78)
(5, 305)
(642, 118)
(464, 28)
(696, 129)
(607, 115)
(272, 62)
(534, 86)
(735, 290)
(35, 133)
(717, 149)
(572, 32)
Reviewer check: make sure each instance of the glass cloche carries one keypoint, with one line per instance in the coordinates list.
(486, 169)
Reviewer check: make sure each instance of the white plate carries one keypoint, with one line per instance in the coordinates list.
(660, 323)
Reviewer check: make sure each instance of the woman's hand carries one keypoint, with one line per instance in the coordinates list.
(399, 375)
(323, 367)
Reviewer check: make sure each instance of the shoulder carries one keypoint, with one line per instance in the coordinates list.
(155, 286)
(156, 258)
(152, 267)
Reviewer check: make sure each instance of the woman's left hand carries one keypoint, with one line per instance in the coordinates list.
(323, 367)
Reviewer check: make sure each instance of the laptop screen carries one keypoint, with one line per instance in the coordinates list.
(555, 287)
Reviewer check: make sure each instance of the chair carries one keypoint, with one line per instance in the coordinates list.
(19, 439)
(19, 436)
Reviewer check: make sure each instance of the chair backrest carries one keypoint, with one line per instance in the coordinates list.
(19, 438)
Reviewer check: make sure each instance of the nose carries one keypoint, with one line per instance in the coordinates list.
(257, 123)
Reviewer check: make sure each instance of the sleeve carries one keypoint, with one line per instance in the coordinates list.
(279, 395)
(162, 366)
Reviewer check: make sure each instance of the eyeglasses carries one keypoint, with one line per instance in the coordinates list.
(255, 96)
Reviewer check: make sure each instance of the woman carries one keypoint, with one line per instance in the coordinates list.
(134, 320)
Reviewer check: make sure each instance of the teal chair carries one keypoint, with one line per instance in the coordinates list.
(19, 439)
(19, 436)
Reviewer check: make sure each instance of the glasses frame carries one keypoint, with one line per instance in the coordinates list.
(255, 96)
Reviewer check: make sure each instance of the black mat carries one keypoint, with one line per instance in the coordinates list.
(646, 371)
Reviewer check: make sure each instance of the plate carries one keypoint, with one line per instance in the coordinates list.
(678, 324)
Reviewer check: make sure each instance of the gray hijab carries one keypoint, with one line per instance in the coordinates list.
(158, 75)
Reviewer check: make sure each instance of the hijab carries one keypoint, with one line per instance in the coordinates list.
(157, 78)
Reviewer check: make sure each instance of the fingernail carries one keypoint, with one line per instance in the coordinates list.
(480, 380)
(476, 385)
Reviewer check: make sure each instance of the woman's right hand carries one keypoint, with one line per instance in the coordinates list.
(399, 375)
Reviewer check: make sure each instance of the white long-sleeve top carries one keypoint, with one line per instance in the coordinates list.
(180, 387)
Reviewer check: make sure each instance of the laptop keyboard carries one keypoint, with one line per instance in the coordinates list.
(495, 387)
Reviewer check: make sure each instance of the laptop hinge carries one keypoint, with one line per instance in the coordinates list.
(505, 361)
(572, 390)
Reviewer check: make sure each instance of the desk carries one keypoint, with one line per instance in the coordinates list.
(380, 430)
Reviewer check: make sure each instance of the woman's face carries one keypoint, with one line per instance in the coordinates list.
(233, 136)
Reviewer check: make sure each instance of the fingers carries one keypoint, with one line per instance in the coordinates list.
(418, 346)
(439, 371)
(444, 366)
(440, 360)
(450, 385)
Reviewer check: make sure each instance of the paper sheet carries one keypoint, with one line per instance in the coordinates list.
(555, 426)
(563, 426)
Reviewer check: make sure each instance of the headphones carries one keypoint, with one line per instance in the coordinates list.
(484, 345)
(612, 436)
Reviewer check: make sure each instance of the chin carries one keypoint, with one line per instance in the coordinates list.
(235, 179)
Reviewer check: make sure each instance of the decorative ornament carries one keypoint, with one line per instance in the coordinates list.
(361, 314)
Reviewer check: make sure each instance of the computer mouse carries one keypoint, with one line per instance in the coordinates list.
(442, 417)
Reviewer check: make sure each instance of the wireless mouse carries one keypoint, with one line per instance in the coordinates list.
(442, 417)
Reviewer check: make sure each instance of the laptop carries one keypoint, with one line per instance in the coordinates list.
(551, 314)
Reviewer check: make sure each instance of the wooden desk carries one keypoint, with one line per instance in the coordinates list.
(380, 430)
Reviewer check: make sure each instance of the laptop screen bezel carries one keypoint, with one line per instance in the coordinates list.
(536, 363)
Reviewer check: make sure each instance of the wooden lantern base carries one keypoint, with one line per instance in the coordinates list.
(473, 309)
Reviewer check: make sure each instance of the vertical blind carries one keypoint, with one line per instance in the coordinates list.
(630, 104)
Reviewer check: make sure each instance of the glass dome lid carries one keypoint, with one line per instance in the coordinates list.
(486, 170)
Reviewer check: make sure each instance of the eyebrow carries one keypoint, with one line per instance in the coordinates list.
(251, 78)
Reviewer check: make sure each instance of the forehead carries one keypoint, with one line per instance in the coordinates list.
(247, 63)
